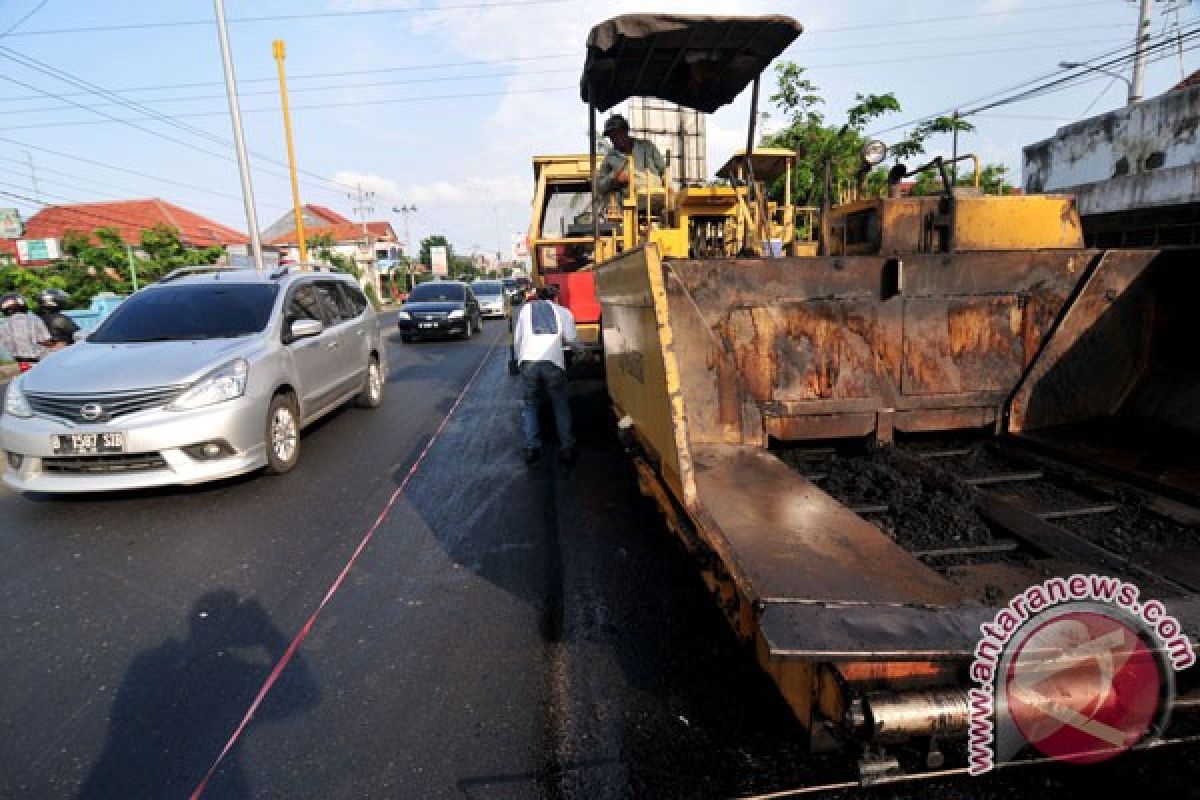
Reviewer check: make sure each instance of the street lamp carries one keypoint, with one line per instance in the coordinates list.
(1128, 83)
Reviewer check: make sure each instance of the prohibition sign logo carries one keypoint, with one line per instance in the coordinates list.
(1083, 687)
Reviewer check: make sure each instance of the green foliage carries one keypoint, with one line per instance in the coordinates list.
(819, 143)
(100, 262)
(437, 240)
(463, 269)
(914, 143)
(372, 295)
(992, 180)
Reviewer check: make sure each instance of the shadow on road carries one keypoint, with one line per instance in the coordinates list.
(180, 701)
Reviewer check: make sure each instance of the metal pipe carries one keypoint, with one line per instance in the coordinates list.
(279, 51)
(897, 716)
(592, 178)
(751, 187)
(239, 139)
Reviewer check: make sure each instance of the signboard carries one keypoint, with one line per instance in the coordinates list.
(438, 256)
(520, 247)
(37, 250)
(11, 226)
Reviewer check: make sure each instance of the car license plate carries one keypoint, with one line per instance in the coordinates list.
(87, 444)
(428, 325)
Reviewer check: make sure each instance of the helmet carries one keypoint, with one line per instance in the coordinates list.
(52, 299)
(614, 123)
(12, 303)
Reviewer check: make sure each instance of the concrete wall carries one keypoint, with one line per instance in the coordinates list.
(1140, 157)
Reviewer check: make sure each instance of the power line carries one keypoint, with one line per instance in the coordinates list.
(955, 18)
(314, 75)
(126, 170)
(105, 188)
(405, 82)
(496, 62)
(1013, 87)
(1038, 90)
(305, 90)
(76, 208)
(37, 66)
(191, 23)
(310, 107)
(62, 75)
(24, 19)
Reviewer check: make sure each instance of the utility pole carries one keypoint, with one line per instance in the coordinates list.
(404, 211)
(239, 139)
(1139, 62)
(279, 50)
(363, 208)
(37, 193)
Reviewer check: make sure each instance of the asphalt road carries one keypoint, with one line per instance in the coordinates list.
(508, 632)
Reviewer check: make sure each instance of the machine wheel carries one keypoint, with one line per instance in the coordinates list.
(371, 395)
(406, 338)
(468, 329)
(513, 367)
(283, 434)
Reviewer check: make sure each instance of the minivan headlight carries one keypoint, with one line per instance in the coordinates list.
(403, 315)
(15, 402)
(457, 313)
(222, 384)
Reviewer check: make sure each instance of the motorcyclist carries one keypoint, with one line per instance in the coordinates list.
(50, 305)
(22, 334)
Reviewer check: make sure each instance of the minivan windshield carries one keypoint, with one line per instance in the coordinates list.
(437, 292)
(193, 311)
(487, 288)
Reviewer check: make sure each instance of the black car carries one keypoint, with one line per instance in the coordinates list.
(440, 308)
(515, 289)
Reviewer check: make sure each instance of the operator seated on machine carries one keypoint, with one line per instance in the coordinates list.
(648, 164)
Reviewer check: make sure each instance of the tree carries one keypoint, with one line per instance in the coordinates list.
(992, 180)
(819, 143)
(437, 240)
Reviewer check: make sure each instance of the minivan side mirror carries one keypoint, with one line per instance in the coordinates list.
(304, 328)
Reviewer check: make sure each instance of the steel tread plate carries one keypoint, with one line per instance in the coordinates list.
(786, 539)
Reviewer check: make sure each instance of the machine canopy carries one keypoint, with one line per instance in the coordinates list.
(696, 61)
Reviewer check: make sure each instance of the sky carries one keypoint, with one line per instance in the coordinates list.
(441, 104)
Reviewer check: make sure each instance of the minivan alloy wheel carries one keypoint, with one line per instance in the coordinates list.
(283, 433)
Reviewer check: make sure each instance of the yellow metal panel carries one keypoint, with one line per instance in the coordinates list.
(640, 366)
(588, 333)
(1034, 222)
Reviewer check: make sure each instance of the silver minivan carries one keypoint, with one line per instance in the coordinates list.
(201, 376)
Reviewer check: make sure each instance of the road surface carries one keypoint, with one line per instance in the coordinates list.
(506, 632)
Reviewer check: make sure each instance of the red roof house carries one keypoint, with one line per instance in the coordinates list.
(129, 218)
(341, 233)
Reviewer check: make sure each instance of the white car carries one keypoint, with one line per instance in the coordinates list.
(493, 301)
(198, 377)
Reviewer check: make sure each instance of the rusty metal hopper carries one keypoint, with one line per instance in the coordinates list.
(709, 361)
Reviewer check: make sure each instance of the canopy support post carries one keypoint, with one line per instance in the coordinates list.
(752, 183)
(592, 176)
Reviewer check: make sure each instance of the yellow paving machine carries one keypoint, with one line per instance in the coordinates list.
(736, 329)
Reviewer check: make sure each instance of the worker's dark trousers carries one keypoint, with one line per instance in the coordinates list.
(555, 380)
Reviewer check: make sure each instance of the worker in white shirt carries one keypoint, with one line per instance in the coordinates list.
(542, 330)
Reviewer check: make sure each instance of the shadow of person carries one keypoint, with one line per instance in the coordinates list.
(180, 701)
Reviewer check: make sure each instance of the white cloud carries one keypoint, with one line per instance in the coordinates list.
(385, 188)
(1001, 6)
